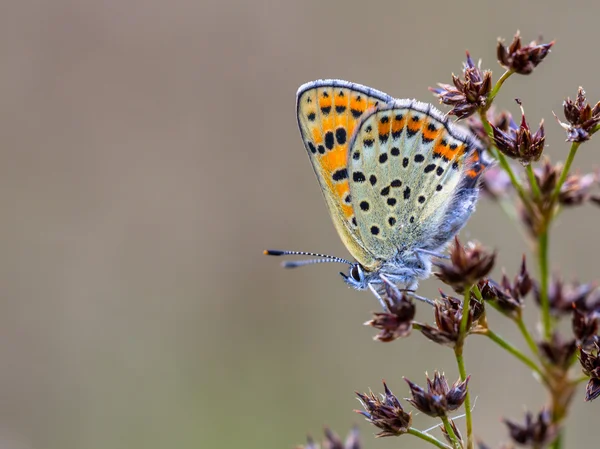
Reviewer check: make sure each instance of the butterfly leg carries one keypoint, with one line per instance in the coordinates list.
(383, 303)
(432, 253)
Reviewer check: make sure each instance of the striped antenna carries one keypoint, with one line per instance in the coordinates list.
(325, 258)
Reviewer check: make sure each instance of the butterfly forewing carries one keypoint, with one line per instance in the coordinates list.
(408, 170)
(329, 112)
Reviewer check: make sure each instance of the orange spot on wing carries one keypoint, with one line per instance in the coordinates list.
(428, 134)
(358, 104)
(414, 127)
(325, 102)
(341, 101)
(398, 125)
(384, 128)
(448, 153)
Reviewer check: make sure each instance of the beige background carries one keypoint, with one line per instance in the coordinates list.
(149, 152)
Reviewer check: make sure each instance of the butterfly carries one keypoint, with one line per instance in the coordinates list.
(399, 179)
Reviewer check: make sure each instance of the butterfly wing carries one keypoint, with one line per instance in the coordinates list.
(413, 178)
(328, 114)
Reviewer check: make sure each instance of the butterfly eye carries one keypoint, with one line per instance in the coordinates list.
(356, 273)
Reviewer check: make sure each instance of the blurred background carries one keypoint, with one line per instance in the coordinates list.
(149, 153)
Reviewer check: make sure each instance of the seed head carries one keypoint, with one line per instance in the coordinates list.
(590, 362)
(448, 315)
(467, 94)
(439, 399)
(333, 441)
(558, 351)
(385, 412)
(535, 434)
(521, 59)
(397, 322)
(563, 296)
(468, 265)
(581, 118)
(518, 142)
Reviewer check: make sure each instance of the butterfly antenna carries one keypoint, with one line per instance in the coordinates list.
(300, 263)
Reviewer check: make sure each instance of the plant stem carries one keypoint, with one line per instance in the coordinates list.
(450, 432)
(458, 352)
(533, 182)
(545, 301)
(514, 351)
(428, 438)
(557, 444)
(527, 336)
(565, 170)
(497, 87)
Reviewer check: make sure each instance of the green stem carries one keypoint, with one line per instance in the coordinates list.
(450, 432)
(518, 354)
(545, 301)
(557, 444)
(458, 351)
(497, 87)
(527, 336)
(428, 438)
(533, 183)
(565, 170)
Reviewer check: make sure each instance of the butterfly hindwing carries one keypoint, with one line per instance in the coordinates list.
(328, 113)
(412, 181)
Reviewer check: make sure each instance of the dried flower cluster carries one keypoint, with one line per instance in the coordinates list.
(533, 190)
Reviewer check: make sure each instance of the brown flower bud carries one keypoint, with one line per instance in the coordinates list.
(521, 59)
(581, 117)
(397, 322)
(448, 315)
(590, 362)
(468, 265)
(558, 351)
(333, 441)
(584, 325)
(439, 399)
(562, 297)
(518, 142)
(501, 296)
(468, 94)
(385, 412)
(535, 434)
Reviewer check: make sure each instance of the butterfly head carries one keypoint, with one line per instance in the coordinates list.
(356, 277)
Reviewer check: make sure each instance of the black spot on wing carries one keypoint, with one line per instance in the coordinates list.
(329, 141)
(358, 177)
(340, 136)
(340, 174)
